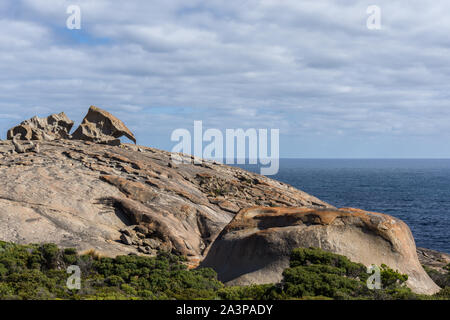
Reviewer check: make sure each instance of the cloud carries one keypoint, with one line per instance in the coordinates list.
(310, 68)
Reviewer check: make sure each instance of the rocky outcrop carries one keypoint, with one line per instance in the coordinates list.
(89, 191)
(22, 148)
(102, 127)
(98, 126)
(92, 196)
(434, 259)
(255, 246)
(55, 126)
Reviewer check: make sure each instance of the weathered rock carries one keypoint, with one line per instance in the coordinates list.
(141, 229)
(152, 243)
(36, 148)
(128, 232)
(55, 126)
(433, 259)
(126, 199)
(147, 250)
(126, 239)
(75, 194)
(255, 246)
(23, 147)
(229, 206)
(140, 235)
(102, 127)
(17, 146)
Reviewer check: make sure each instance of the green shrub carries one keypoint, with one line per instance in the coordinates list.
(114, 280)
(252, 292)
(391, 278)
(314, 272)
(39, 272)
(443, 294)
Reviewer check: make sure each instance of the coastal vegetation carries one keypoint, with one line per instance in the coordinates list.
(39, 271)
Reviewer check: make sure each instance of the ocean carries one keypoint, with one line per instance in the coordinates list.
(415, 191)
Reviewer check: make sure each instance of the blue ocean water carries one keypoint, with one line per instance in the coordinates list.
(416, 191)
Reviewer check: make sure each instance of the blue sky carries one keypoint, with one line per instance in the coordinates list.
(309, 68)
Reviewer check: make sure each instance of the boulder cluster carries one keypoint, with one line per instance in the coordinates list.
(55, 126)
(98, 126)
(144, 239)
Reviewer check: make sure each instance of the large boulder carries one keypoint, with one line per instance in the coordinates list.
(102, 127)
(55, 126)
(255, 246)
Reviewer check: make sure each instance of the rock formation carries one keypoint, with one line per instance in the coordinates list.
(55, 126)
(255, 246)
(19, 148)
(89, 191)
(433, 259)
(86, 195)
(102, 127)
(98, 126)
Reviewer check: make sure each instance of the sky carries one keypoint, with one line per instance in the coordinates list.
(312, 69)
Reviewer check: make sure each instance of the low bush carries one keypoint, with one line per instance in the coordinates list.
(39, 272)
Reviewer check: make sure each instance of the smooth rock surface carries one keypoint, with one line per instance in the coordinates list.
(255, 246)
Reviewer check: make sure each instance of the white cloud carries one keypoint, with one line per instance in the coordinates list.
(309, 68)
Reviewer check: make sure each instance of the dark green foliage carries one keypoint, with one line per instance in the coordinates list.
(391, 278)
(39, 272)
(30, 272)
(444, 293)
(440, 278)
(314, 272)
(253, 292)
(51, 254)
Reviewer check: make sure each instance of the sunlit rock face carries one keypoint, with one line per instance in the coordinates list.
(255, 246)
